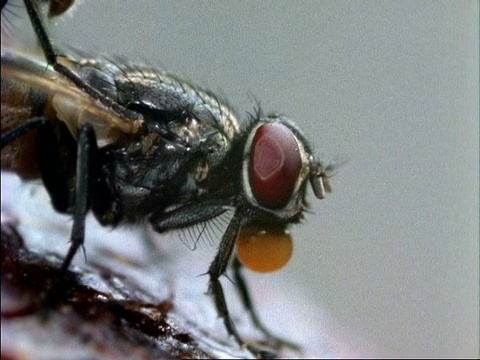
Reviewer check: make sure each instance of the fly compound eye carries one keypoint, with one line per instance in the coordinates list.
(275, 165)
(264, 249)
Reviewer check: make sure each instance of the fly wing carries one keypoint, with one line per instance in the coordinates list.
(50, 94)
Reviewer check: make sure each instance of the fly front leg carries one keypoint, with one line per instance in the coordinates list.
(242, 289)
(218, 268)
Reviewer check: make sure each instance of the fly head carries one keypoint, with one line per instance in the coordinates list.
(277, 164)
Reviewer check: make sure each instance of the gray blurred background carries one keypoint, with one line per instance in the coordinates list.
(388, 263)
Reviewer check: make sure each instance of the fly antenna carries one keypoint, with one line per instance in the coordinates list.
(319, 178)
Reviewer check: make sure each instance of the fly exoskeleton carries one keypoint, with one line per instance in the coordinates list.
(129, 142)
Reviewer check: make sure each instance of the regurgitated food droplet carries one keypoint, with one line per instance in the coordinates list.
(264, 249)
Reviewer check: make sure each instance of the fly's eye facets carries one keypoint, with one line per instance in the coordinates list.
(275, 165)
(264, 249)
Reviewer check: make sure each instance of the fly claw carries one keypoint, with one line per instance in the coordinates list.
(164, 150)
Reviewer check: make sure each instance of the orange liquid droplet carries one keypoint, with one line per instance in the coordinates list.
(264, 249)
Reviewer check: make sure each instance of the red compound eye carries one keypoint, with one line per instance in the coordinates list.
(275, 165)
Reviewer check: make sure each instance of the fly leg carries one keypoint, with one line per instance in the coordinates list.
(86, 147)
(48, 158)
(54, 179)
(27, 126)
(218, 268)
(51, 56)
(242, 289)
(51, 167)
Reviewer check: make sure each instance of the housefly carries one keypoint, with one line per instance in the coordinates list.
(130, 143)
